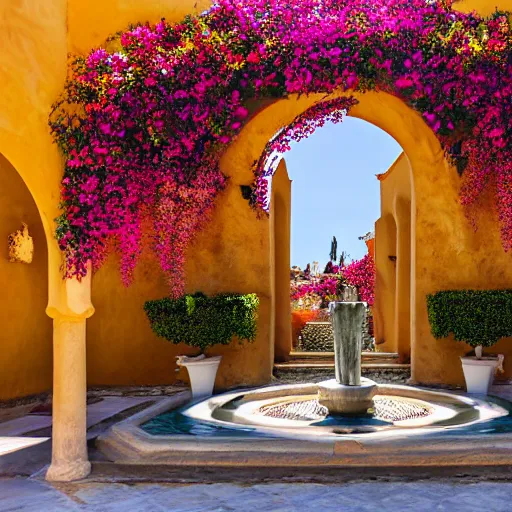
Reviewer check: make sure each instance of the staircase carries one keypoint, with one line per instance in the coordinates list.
(314, 366)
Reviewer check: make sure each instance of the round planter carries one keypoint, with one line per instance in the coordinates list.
(202, 373)
(479, 374)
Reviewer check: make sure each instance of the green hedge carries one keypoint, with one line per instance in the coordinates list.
(202, 321)
(476, 317)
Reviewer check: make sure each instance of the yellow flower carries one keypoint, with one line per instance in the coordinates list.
(235, 65)
(185, 47)
(475, 46)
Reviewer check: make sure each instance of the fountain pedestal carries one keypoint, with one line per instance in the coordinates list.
(341, 399)
(348, 393)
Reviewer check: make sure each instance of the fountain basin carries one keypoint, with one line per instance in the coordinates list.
(240, 428)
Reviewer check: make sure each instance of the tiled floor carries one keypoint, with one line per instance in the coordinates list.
(35, 496)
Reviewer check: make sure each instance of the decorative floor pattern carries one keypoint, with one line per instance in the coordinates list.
(35, 496)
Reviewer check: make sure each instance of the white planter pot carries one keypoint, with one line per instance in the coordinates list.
(202, 372)
(479, 374)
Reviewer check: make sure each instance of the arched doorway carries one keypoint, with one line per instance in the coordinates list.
(26, 334)
(335, 191)
(424, 155)
(385, 283)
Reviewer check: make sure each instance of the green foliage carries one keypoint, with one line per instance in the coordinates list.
(476, 317)
(201, 321)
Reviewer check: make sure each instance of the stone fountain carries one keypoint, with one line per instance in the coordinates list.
(348, 393)
(318, 424)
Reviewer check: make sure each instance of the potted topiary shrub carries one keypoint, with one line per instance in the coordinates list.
(201, 321)
(481, 319)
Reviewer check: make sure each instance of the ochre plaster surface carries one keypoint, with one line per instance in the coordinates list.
(483, 7)
(92, 21)
(231, 254)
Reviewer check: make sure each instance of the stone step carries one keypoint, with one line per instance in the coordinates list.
(294, 372)
(328, 357)
(290, 365)
(296, 355)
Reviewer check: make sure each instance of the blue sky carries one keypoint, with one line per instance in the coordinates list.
(334, 189)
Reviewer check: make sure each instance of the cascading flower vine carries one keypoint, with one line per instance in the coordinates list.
(142, 122)
(300, 128)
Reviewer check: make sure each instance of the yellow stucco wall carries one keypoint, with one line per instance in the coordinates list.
(92, 21)
(395, 184)
(32, 70)
(234, 250)
(484, 7)
(451, 255)
(231, 254)
(26, 330)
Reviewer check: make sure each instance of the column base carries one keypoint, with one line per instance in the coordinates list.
(68, 471)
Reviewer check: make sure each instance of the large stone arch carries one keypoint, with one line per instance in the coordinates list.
(446, 252)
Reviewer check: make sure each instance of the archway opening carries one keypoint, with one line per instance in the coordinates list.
(328, 185)
(26, 334)
(423, 155)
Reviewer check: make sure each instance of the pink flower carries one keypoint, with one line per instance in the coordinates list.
(241, 113)
(253, 58)
(404, 82)
(105, 128)
(155, 113)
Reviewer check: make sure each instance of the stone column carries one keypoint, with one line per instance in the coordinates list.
(349, 393)
(69, 428)
(347, 323)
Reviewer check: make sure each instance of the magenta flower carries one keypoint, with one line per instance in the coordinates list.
(148, 122)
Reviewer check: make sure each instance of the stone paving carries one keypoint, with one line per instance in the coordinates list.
(96, 413)
(36, 496)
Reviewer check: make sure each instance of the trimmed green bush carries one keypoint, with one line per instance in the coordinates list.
(201, 321)
(476, 317)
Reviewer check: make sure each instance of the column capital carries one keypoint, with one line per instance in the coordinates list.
(74, 300)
